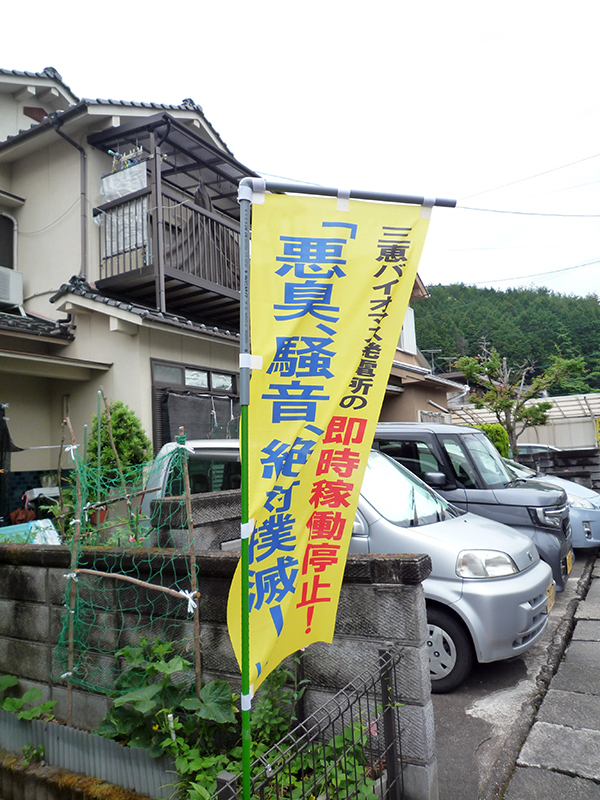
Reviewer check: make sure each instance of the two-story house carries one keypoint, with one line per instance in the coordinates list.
(118, 263)
(119, 268)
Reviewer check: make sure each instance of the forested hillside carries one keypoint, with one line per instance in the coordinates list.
(521, 324)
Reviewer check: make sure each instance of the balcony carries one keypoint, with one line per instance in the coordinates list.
(173, 245)
(184, 260)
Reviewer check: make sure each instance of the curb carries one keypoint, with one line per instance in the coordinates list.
(503, 768)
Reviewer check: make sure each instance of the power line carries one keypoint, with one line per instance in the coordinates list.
(525, 213)
(531, 177)
(539, 274)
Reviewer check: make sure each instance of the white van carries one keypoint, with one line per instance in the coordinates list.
(488, 595)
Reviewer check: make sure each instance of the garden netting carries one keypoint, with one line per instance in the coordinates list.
(122, 586)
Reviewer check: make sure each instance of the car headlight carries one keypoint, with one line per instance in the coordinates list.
(550, 517)
(484, 564)
(579, 502)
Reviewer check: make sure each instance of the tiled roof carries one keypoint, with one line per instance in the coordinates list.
(35, 326)
(79, 287)
(47, 72)
(185, 105)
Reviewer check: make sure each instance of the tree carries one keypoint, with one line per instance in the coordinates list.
(506, 391)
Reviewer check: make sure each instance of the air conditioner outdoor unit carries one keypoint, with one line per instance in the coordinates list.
(11, 287)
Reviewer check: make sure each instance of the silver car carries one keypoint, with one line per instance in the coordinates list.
(584, 504)
(488, 594)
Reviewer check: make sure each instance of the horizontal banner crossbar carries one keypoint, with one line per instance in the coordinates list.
(277, 187)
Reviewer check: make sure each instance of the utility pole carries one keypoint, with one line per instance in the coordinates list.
(433, 352)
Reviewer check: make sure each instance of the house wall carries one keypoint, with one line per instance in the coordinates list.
(128, 380)
(49, 254)
(5, 179)
(381, 605)
(49, 181)
(31, 409)
(10, 116)
(405, 406)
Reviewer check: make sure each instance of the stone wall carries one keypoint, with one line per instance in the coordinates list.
(381, 604)
(581, 466)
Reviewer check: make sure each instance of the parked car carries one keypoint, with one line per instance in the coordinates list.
(213, 466)
(536, 448)
(488, 594)
(584, 504)
(464, 467)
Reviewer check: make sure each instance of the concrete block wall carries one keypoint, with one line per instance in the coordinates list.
(215, 519)
(581, 466)
(381, 605)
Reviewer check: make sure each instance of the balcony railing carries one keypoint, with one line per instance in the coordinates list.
(179, 235)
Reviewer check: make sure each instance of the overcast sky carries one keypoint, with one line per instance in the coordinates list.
(493, 104)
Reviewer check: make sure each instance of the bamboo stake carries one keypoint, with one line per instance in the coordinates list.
(73, 587)
(61, 515)
(136, 581)
(110, 501)
(188, 504)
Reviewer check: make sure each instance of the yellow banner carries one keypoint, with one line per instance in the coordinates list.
(329, 287)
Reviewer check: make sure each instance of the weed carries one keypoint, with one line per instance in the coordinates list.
(27, 706)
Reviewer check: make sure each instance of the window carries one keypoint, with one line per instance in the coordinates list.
(206, 475)
(475, 451)
(202, 401)
(463, 469)
(408, 337)
(399, 497)
(415, 456)
(6, 242)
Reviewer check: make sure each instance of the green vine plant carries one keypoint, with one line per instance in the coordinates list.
(28, 706)
(156, 707)
(341, 768)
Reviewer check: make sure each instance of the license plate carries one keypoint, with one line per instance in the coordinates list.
(551, 595)
(569, 561)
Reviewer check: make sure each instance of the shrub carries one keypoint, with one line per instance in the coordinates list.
(498, 436)
(131, 442)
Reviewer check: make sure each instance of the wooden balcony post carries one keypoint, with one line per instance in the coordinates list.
(158, 233)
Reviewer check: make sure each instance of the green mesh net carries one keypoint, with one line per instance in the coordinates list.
(122, 585)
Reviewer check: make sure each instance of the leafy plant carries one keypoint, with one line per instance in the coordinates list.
(131, 531)
(27, 706)
(131, 442)
(497, 434)
(156, 707)
(339, 768)
(156, 684)
(32, 753)
(275, 706)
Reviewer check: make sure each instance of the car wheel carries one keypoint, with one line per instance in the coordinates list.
(450, 651)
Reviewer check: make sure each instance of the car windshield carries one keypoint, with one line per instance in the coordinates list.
(399, 496)
(516, 470)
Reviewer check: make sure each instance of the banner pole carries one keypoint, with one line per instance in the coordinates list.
(245, 199)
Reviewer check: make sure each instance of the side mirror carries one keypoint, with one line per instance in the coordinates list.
(437, 480)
